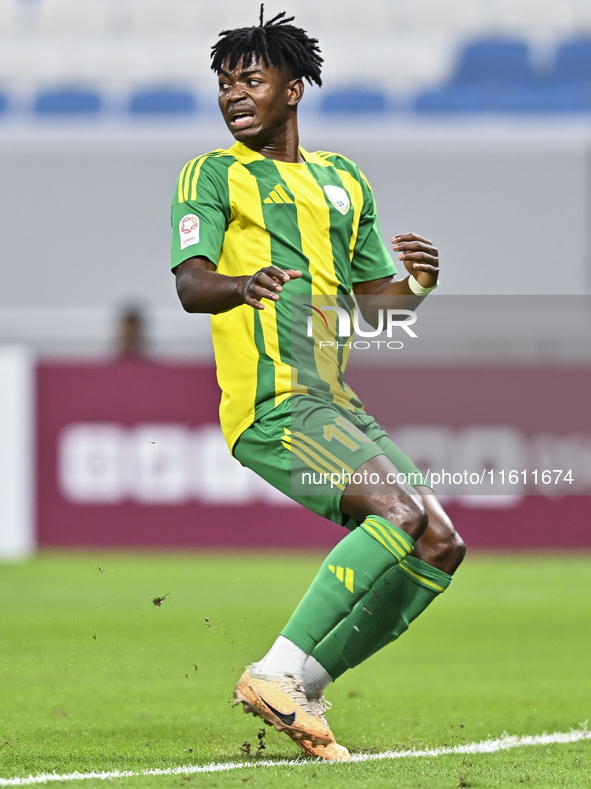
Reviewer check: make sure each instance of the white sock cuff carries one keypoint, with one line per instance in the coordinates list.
(315, 677)
(284, 657)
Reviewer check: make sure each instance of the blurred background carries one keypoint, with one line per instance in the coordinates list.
(472, 121)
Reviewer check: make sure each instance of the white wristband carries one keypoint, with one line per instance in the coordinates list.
(417, 288)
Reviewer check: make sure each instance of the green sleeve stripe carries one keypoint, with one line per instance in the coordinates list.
(195, 165)
(187, 184)
(195, 178)
(214, 154)
(421, 578)
(181, 179)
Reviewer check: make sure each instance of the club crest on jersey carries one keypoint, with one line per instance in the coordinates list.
(339, 198)
(189, 230)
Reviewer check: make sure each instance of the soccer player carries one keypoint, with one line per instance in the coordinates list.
(260, 227)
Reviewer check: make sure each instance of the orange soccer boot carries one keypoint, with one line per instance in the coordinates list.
(282, 703)
(333, 752)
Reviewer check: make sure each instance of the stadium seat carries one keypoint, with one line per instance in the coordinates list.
(163, 101)
(68, 101)
(353, 100)
(480, 97)
(573, 60)
(494, 76)
(541, 97)
(546, 96)
(493, 60)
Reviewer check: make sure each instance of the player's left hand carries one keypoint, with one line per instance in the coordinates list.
(419, 256)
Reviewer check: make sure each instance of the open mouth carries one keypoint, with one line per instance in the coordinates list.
(241, 119)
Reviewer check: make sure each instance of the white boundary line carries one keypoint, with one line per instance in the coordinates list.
(485, 746)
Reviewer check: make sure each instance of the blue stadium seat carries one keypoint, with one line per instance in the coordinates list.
(163, 101)
(494, 59)
(494, 76)
(480, 97)
(547, 96)
(68, 101)
(573, 60)
(355, 100)
(540, 97)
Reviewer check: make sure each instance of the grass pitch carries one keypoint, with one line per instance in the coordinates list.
(96, 676)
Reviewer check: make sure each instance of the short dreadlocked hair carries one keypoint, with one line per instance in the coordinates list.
(276, 42)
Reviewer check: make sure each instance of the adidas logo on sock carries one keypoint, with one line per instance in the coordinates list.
(278, 195)
(344, 574)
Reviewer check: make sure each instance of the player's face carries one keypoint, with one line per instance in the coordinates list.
(256, 100)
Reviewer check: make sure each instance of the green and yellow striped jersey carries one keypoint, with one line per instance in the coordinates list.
(243, 211)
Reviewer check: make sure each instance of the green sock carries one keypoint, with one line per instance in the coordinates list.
(348, 573)
(385, 612)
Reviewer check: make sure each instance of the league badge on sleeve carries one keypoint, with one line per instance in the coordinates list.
(338, 197)
(189, 230)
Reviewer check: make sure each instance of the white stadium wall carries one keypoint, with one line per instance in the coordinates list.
(17, 527)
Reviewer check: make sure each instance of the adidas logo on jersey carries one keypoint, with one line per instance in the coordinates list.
(344, 574)
(278, 195)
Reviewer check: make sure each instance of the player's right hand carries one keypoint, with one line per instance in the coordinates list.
(266, 283)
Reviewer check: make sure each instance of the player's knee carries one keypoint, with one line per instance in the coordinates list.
(456, 550)
(450, 550)
(408, 513)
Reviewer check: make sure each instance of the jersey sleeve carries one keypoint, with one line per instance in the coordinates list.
(371, 259)
(200, 212)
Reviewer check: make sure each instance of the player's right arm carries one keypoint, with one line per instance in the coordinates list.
(202, 289)
(201, 214)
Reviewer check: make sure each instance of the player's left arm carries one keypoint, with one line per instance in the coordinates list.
(421, 260)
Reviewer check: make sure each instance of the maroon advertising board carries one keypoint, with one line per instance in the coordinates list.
(130, 454)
